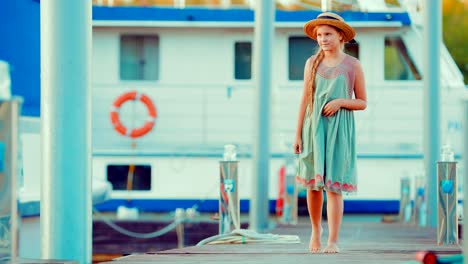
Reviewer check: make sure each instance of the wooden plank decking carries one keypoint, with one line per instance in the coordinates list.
(361, 242)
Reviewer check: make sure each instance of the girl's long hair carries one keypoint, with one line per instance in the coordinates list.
(311, 81)
(313, 70)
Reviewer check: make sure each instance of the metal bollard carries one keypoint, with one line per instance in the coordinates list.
(290, 194)
(229, 208)
(405, 200)
(447, 220)
(229, 204)
(9, 220)
(179, 215)
(420, 206)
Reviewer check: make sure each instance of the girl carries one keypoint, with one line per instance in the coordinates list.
(325, 135)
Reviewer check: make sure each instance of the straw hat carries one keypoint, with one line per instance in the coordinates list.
(330, 19)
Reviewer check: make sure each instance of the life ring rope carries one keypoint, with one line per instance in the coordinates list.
(136, 132)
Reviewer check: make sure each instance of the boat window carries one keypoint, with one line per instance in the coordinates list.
(398, 64)
(301, 48)
(243, 60)
(129, 177)
(139, 57)
(352, 49)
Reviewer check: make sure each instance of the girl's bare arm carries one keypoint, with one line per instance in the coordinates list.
(303, 103)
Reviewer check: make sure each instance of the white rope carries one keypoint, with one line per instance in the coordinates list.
(126, 232)
(245, 236)
(150, 119)
(138, 97)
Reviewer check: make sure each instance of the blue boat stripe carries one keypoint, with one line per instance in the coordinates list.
(231, 15)
(219, 155)
(31, 209)
(211, 205)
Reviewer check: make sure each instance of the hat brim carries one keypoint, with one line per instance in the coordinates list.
(347, 30)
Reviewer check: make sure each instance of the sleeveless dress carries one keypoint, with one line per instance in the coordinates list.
(328, 158)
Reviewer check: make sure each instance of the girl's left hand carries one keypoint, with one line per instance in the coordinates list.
(331, 107)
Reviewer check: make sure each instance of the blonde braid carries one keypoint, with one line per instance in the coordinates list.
(318, 58)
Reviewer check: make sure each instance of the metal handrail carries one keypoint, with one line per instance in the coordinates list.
(336, 5)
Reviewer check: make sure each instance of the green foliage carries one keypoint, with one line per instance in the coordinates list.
(455, 32)
(393, 65)
(392, 2)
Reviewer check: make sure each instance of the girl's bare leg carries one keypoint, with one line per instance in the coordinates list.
(335, 216)
(314, 205)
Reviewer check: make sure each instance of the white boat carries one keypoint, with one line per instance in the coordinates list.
(195, 64)
(197, 71)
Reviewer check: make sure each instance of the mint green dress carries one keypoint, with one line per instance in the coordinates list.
(328, 158)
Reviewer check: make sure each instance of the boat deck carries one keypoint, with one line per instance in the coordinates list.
(361, 242)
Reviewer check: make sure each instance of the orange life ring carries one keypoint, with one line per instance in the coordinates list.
(136, 132)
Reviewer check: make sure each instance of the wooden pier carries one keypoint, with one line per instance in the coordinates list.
(361, 242)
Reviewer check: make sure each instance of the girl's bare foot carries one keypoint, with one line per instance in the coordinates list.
(315, 245)
(331, 248)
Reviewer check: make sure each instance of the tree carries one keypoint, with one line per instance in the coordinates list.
(455, 32)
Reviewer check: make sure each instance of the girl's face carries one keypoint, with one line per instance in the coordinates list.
(328, 38)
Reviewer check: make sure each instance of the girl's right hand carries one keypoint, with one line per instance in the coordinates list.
(297, 146)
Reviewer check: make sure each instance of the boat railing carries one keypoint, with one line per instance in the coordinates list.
(176, 3)
(335, 5)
